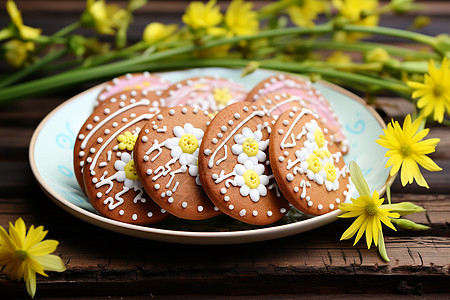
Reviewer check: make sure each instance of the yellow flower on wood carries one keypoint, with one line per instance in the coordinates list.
(25, 32)
(434, 92)
(407, 149)
(25, 254)
(127, 141)
(156, 32)
(241, 19)
(304, 15)
(369, 211)
(199, 15)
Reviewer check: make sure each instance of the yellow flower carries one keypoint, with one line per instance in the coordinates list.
(358, 13)
(16, 52)
(339, 57)
(406, 150)
(127, 141)
(199, 15)
(25, 254)
(368, 209)
(434, 92)
(104, 18)
(26, 32)
(156, 32)
(222, 95)
(240, 19)
(305, 14)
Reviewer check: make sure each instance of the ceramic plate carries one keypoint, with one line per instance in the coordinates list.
(51, 149)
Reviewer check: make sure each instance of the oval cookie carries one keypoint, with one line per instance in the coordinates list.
(234, 165)
(111, 181)
(166, 156)
(299, 87)
(145, 82)
(103, 123)
(206, 93)
(309, 169)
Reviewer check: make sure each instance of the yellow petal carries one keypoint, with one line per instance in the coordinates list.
(353, 228)
(361, 231)
(35, 266)
(376, 227)
(34, 236)
(358, 179)
(7, 243)
(43, 248)
(51, 263)
(17, 233)
(31, 283)
(369, 232)
(427, 163)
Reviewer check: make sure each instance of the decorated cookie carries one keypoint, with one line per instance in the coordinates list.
(308, 168)
(107, 121)
(111, 180)
(206, 93)
(234, 165)
(301, 88)
(145, 82)
(166, 156)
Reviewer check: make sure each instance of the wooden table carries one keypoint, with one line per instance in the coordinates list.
(315, 264)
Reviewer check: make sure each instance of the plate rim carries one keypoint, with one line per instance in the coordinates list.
(181, 236)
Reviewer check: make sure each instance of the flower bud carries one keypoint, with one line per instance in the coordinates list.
(404, 208)
(250, 68)
(377, 55)
(409, 225)
(404, 6)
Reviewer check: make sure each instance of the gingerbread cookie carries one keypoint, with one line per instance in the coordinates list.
(145, 82)
(234, 165)
(105, 122)
(308, 168)
(206, 93)
(313, 98)
(111, 181)
(166, 156)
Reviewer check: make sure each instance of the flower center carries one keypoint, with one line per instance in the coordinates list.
(20, 255)
(438, 90)
(250, 147)
(371, 209)
(314, 163)
(319, 138)
(331, 172)
(405, 150)
(251, 179)
(188, 143)
(130, 170)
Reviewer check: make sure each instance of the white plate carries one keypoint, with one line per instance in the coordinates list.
(51, 149)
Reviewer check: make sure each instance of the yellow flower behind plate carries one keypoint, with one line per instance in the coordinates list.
(407, 149)
(241, 19)
(104, 18)
(368, 211)
(434, 92)
(304, 15)
(25, 254)
(199, 15)
(26, 32)
(156, 32)
(16, 52)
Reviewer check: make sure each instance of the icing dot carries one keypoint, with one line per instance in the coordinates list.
(81, 136)
(184, 204)
(133, 115)
(207, 152)
(223, 128)
(81, 163)
(147, 131)
(99, 140)
(121, 212)
(245, 108)
(254, 213)
(281, 158)
(145, 139)
(149, 214)
(89, 159)
(107, 131)
(134, 217)
(296, 189)
(115, 124)
(163, 211)
(159, 117)
(269, 213)
(338, 200)
(280, 131)
(310, 203)
(92, 150)
(230, 122)
(146, 158)
(184, 110)
(223, 190)
(207, 123)
(286, 153)
(282, 210)
(308, 198)
(169, 193)
(331, 206)
(81, 154)
(124, 120)
(237, 116)
(320, 206)
(89, 126)
(242, 212)
(157, 186)
(99, 195)
(285, 122)
(290, 177)
(214, 141)
(171, 112)
(216, 208)
(195, 110)
(200, 208)
(163, 195)
(231, 206)
(170, 200)
(291, 114)
(122, 104)
(226, 198)
(219, 135)
(107, 111)
(96, 118)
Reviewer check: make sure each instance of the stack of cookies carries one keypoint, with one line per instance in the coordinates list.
(206, 146)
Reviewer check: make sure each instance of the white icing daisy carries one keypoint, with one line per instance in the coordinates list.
(250, 146)
(250, 178)
(127, 172)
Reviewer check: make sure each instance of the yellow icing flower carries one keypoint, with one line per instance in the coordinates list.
(127, 141)
(25, 32)
(222, 95)
(156, 32)
(304, 15)
(241, 19)
(407, 149)
(188, 143)
(130, 170)
(314, 163)
(104, 18)
(330, 169)
(251, 179)
(358, 13)
(24, 254)
(199, 15)
(16, 52)
(434, 92)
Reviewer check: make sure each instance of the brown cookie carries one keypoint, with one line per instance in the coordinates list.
(299, 87)
(234, 165)
(111, 181)
(206, 93)
(166, 155)
(146, 83)
(104, 123)
(308, 168)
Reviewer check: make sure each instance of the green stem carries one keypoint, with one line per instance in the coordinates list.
(68, 29)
